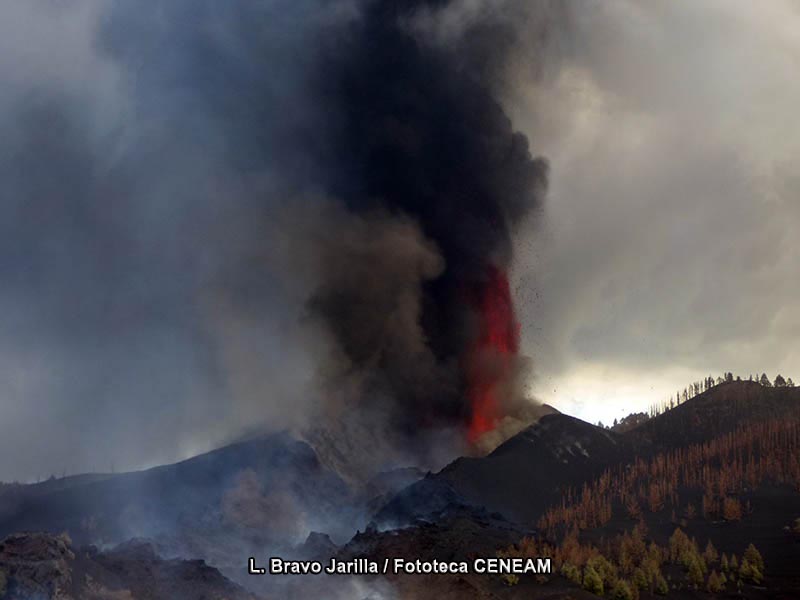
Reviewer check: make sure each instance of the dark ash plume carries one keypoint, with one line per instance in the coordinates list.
(415, 133)
(159, 297)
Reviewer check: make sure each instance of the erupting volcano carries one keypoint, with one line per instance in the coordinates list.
(434, 182)
(490, 360)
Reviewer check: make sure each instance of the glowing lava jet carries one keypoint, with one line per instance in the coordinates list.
(491, 358)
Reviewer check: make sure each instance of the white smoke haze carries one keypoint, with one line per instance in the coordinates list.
(154, 274)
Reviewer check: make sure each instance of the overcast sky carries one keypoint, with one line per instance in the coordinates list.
(668, 248)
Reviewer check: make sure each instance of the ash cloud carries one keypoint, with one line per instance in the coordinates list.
(138, 156)
(415, 131)
(168, 176)
(245, 215)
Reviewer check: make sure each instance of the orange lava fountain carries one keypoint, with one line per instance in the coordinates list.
(491, 357)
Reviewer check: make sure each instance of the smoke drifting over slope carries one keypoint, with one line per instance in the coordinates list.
(225, 215)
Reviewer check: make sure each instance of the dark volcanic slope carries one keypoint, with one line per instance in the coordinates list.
(521, 477)
(717, 411)
(528, 472)
(256, 485)
(38, 566)
(270, 490)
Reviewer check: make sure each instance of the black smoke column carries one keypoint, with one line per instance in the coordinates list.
(415, 132)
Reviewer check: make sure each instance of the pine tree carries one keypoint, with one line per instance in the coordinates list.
(731, 509)
(710, 554)
(622, 591)
(640, 579)
(695, 575)
(592, 582)
(662, 587)
(571, 572)
(750, 572)
(714, 584)
(753, 556)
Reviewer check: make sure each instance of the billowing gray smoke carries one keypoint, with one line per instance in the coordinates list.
(251, 213)
(418, 149)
